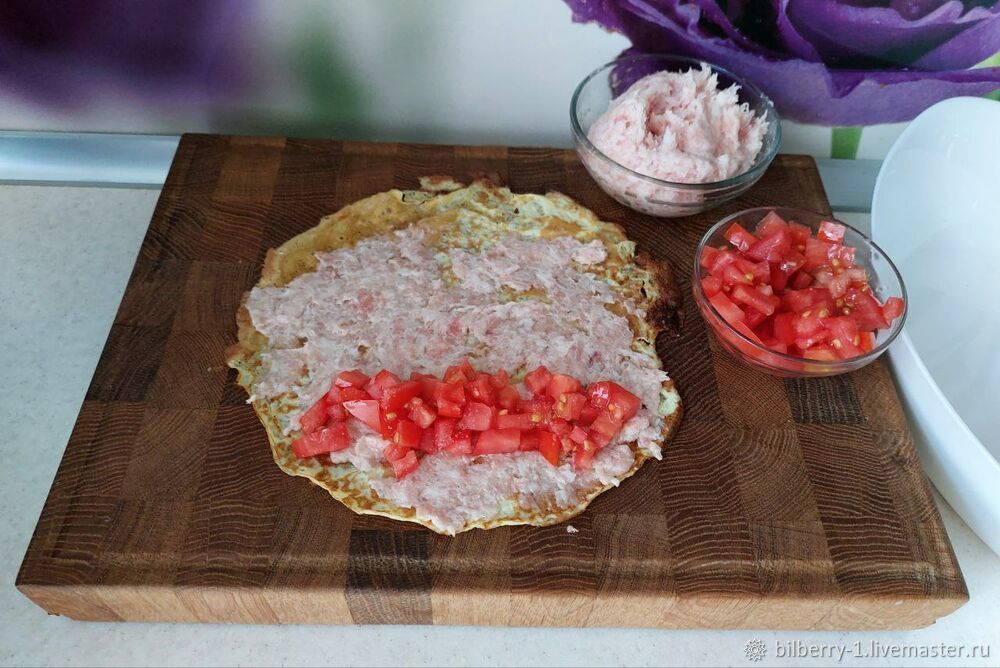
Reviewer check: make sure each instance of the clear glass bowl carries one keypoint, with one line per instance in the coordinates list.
(883, 277)
(646, 194)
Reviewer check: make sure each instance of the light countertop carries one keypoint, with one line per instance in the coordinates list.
(65, 257)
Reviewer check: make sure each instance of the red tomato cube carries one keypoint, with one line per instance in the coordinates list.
(519, 421)
(770, 224)
(711, 285)
(561, 384)
(461, 442)
(477, 417)
(569, 405)
(727, 309)
(508, 397)
(892, 309)
(538, 380)
(329, 439)
(549, 447)
(314, 418)
(408, 434)
(738, 236)
(405, 465)
(829, 231)
(482, 390)
(495, 441)
(353, 378)
(529, 440)
(394, 397)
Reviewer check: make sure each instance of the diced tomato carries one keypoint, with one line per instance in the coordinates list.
(336, 413)
(583, 456)
(541, 409)
(823, 353)
(495, 441)
(353, 378)
(420, 412)
(801, 279)
(829, 231)
(450, 392)
(395, 397)
(708, 257)
(314, 418)
(606, 425)
(772, 248)
(429, 388)
(538, 380)
(844, 336)
(866, 310)
(721, 260)
(745, 330)
(500, 379)
(800, 235)
(623, 403)
(842, 254)
(738, 236)
(530, 440)
(807, 323)
(751, 296)
(578, 434)
(599, 394)
(482, 390)
(338, 395)
(726, 308)
(461, 372)
(449, 408)
(382, 380)
(508, 397)
(783, 329)
(770, 224)
(569, 405)
(368, 412)
(405, 465)
(733, 275)
(587, 414)
(817, 253)
(560, 427)
(561, 384)
(461, 442)
(408, 434)
(867, 341)
(428, 443)
(779, 279)
(328, 439)
(760, 271)
(520, 421)
(470, 373)
(892, 309)
(711, 285)
(776, 345)
(444, 429)
(791, 263)
(549, 446)
(477, 417)
(821, 336)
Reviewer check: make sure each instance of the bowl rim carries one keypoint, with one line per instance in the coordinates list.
(760, 164)
(847, 364)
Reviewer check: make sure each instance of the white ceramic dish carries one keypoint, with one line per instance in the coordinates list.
(936, 212)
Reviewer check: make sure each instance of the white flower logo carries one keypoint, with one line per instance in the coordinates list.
(755, 649)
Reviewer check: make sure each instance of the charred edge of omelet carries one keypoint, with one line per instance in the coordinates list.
(651, 286)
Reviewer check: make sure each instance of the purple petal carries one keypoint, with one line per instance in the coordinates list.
(804, 91)
(849, 36)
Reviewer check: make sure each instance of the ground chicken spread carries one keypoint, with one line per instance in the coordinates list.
(679, 127)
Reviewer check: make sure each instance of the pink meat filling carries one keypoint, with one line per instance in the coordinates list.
(680, 127)
(386, 303)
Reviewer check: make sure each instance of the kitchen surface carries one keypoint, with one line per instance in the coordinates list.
(74, 252)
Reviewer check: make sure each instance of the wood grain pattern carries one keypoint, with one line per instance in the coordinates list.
(781, 503)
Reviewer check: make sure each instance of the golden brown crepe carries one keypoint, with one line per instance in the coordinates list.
(466, 217)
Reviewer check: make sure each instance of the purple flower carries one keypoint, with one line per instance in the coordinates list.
(830, 62)
(64, 54)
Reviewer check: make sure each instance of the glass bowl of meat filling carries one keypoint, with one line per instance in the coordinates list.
(670, 136)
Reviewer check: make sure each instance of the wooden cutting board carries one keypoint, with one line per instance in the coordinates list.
(781, 503)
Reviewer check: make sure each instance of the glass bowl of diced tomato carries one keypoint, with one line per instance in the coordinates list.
(797, 294)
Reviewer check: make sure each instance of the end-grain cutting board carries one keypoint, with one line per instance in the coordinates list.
(781, 503)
